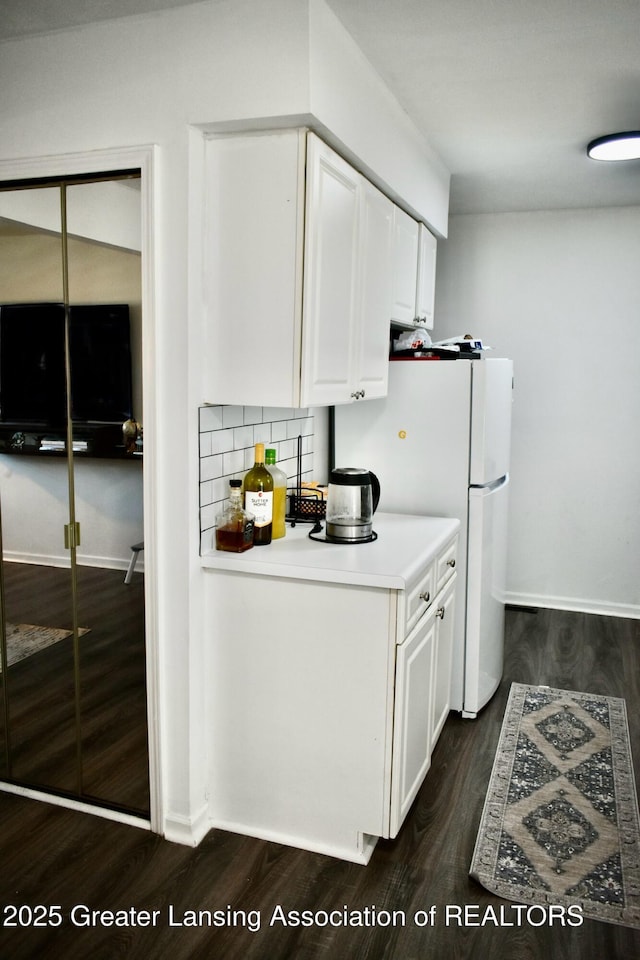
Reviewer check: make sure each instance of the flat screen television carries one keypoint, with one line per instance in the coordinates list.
(100, 352)
(32, 364)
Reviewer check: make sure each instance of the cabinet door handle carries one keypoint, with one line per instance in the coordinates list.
(426, 596)
(440, 613)
(451, 563)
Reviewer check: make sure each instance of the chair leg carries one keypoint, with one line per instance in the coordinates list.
(135, 550)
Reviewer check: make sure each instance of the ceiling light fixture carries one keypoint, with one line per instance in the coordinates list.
(616, 146)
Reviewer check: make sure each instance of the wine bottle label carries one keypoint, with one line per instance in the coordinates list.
(260, 504)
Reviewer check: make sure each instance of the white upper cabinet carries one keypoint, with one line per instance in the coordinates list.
(298, 275)
(405, 266)
(414, 272)
(329, 312)
(426, 280)
(372, 348)
(347, 278)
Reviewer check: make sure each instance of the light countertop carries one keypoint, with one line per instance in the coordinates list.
(404, 546)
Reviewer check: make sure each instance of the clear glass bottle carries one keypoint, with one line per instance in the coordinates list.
(279, 494)
(234, 526)
(257, 489)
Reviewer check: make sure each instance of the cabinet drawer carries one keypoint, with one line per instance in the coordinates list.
(419, 597)
(446, 564)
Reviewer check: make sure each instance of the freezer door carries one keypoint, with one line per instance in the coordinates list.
(486, 589)
(491, 401)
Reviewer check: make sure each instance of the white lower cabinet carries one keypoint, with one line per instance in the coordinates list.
(413, 718)
(423, 677)
(326, 700)
(441, 698)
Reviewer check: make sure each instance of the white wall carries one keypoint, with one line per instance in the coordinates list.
(404, 166)
(35, 508)
(161, 80)
(559, 292)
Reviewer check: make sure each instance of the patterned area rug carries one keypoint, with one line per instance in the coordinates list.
(25, 639)
(560, 822)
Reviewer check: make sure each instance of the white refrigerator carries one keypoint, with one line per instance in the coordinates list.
(440, 444)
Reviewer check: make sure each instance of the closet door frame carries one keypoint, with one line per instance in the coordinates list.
(101, 162)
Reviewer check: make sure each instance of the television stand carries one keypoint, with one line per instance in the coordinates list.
(101, 440)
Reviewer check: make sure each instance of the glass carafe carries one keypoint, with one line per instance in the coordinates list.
(351, 502)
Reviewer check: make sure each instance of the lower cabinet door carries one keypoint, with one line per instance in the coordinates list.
(442, 653)
(411, 755)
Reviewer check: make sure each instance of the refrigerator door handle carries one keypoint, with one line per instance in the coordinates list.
(489, 487)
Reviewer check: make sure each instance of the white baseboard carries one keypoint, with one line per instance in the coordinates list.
(360, 852)
(45, 560)
(604, 608)
(70, 804)
(189, 831)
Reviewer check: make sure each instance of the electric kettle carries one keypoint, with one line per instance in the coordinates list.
(352, 499)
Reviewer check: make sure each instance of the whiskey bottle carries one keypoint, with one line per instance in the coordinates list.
(234, 526)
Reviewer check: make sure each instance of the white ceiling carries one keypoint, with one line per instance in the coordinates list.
(507, 91)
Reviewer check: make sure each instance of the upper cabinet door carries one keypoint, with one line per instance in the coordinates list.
(376, 292)
(405, 265)
(252, 284)
(330, 277)
(426, 286)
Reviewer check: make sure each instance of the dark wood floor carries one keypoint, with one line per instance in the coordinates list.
(111, 766)
(51, 856)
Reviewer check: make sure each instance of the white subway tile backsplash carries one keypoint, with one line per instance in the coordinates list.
(210, 467)
(227, 438)
(208, 535)
(233, 462)
(232, 416)
(206, 493)
(262, 433)
(221, 441)
(243, 437)
(300, 427)
(210, 418)
(288, 448)
(253, 414)
(277, 413)
(220, 491)
(278, 430)
(205, 444)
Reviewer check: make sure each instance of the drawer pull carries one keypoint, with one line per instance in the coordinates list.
(426, 596)
(440, 613)
(451, 563)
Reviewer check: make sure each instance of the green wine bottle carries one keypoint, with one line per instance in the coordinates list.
(257, 489)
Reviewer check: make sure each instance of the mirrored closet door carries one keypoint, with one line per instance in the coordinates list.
(72, 686)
